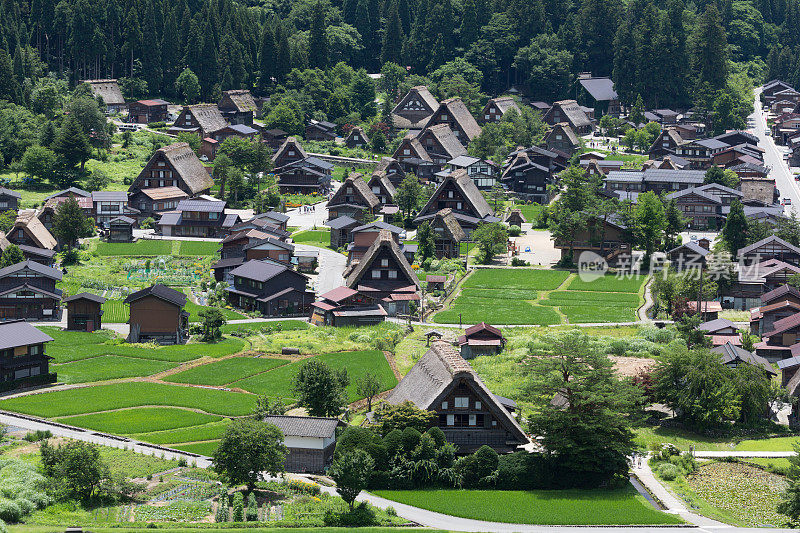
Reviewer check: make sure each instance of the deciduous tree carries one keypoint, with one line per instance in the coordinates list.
(248, 448)
(320, 389)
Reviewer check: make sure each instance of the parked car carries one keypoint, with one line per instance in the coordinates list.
(787, 201)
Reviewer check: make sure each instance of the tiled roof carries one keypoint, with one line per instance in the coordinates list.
(159, 291)
(304, 426)
(20, 333)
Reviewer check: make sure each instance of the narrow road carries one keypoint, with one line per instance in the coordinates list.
(330, 268)
(773, 157)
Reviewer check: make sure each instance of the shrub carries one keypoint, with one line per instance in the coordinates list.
(10, 511)
(238, 507)
(222, 508)
(252, 508)
(410, 439)
(361, 516)
(514, 230)
(3, 528)
(668, 471)
(147, 223)
(182, 461)
(391, 511)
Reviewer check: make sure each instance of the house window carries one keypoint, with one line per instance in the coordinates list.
(384, 262)
(471, 420)
(406, 151)
(477, 405)
(486, 117)
(34, 350)
(393, 274)
(283, 257)
(443, 117)
(449, 194)
(461, 402)
(444, 405)
(213, 216)
(451, 420)
(376, 274)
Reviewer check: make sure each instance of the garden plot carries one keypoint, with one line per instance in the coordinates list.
(516, 278)
(213, 430)
(140, 419)
(108, 367)
(469, 309)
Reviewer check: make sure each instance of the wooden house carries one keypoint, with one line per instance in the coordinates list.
(238, 107)
(269, 288)
(28, 290)
(23, 361)
(385, 275)
(570, 112)
(290, 151)
(353, 199)
(242, 131)
(28, 230)
(109, 91)
(197, 218)
(345, 307)
(776, 305)
(393, 170)
(305, 176)
(435, 283)
(481, 339)
(453, 112)
(9, 200)
(466, 410)
(32, 253)
(702, 210)
(447, 234)
(666, 143)
(687, 256)
(270, 248)
(769, 89)
(668, 181)
(175, 165)
(154, 202)
(310, 441)
(47, 213)
(414, 159)
(562, 137)
(84, 312)
(382, 187)
(458, 193)
(363, 236)
(772, 247)
(495, 108)
(483, 172)
(529, 172)
(233, 253)
(110, 204)
(148, 111)
(357, 138)
(157, 314)
(341, 230)
(601, 90)
(320, 130)
(120, 229)
(699, 152)
(203, 119)
(605, 237)
(71, 191)
(441, 144)
(414, 109)
(732, 356)
(274, 137)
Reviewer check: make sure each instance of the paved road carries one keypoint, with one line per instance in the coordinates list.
(330, 268)
(773, 158)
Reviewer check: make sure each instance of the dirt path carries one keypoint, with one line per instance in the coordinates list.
(641, 312)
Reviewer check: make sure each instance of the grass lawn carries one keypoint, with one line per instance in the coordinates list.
(775, 444)
(608, 284)
(121, 395)
(497, 311)
(516, 278)
(203, 448)
(277, 383)
(226, 371)
(139, 420)
(199, 248)
(321, 238)
(530, 212)
(25, 528)
(76, 345)
(108, 367)
(768, 462)
(646, 436)
(139, 248)
(133, 464)
(213, 430)
(607, 299)
(566, 507)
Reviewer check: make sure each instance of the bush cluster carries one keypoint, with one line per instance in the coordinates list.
(22, 489)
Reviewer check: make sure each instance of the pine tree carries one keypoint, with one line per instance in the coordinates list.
(363, 24)
(709, 55)
(318, 39)
(170, 54)
(734, 233)
(266, 59)
(9, 88)
(208, 74)
(392, 36)
(469, 24)
(71, 143)
(134, 38)
(283, 63)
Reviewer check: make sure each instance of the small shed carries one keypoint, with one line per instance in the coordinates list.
(84, 312)
(435, 283)
(310, 440)
(120, 229)
(481, 339)
(515, 218)
(709, 310)
(208, 148)
(356, 138)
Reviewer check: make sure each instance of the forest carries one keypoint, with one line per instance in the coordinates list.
(670, 52)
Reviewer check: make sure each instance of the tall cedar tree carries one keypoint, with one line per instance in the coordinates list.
(392, 36)
(266, 59)
(70, 223)
(427, 246)
(318, 39)
(734, 233)
(709, 57)
(71, 143)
